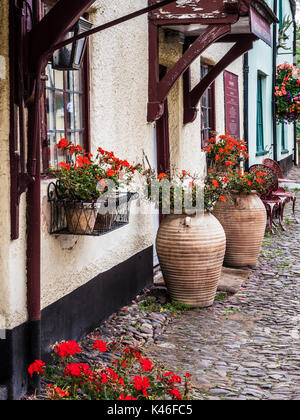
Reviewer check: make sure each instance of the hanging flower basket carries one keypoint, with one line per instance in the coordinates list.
(287, 92)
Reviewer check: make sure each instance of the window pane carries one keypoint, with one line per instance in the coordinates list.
(50, 74)
(77, 81)
(70, 111)
(50, 110)
(70, 81)
(78, 111)
(59, 79)
(60, 112)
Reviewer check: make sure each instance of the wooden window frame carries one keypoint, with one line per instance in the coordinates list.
(210, 92)
(45, 151)
(260, 144)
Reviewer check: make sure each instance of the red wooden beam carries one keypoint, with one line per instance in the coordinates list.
(52, 28)
(192, 98)
(111, 24)
(158, 92)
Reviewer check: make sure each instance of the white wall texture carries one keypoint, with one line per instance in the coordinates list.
(119, 94)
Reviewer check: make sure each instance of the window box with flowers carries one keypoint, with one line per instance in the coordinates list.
(87, 198)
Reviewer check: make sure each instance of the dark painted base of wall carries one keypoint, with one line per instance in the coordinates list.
(286, 164)
(72, 317)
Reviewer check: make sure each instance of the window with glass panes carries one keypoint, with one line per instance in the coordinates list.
(207, 109)
(283, 139)
(64, 99)
(64, 109)
(260, 119)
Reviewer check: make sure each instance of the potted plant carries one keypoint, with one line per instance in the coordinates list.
(82, 181)
(225, 152)
(190, 241)
(243, 217)
(287, 94)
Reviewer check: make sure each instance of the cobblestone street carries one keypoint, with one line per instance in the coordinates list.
(245, 347)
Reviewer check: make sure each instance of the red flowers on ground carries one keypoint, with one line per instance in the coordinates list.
(146, 364)
(100, 345)
(142, 383)
(68, 348)
(77, 370)
(36, 367)
(125, 381)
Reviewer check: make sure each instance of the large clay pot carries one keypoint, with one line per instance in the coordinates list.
(244, 219)
(191, 253)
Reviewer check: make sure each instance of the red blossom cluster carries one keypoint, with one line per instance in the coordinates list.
(225, 151)
(67, 349)
(36, 367)
(122, 381)
(80, 173)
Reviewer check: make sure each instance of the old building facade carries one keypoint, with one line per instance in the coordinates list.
(139, 84)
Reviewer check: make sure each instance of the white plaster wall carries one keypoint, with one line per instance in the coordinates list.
(12, 253)
(119, 93)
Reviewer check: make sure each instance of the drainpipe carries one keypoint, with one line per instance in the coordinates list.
(34, 257)
(275, 151)
(33, 223)
(246, 105)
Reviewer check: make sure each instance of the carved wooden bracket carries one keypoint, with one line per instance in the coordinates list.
(192, 97)
(159, 90)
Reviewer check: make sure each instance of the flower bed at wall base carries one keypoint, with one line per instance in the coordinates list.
(130, 376)
(287, 92)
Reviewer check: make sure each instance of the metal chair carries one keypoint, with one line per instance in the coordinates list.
(274, 204)
(280, 191)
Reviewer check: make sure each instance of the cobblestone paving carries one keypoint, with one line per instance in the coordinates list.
(246, 346)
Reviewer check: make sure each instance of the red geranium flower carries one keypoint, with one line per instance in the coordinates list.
(68, 348)
(100, 345)
(146, 364)
(36, 367)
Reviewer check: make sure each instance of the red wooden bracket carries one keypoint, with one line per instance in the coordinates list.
(192, 97)
(159, 90)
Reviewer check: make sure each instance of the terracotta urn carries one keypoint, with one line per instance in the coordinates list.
(191, 252)
(244, 219)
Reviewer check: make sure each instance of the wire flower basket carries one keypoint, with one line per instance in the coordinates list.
(73, 217)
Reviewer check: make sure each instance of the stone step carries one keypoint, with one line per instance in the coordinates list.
(3, 393)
